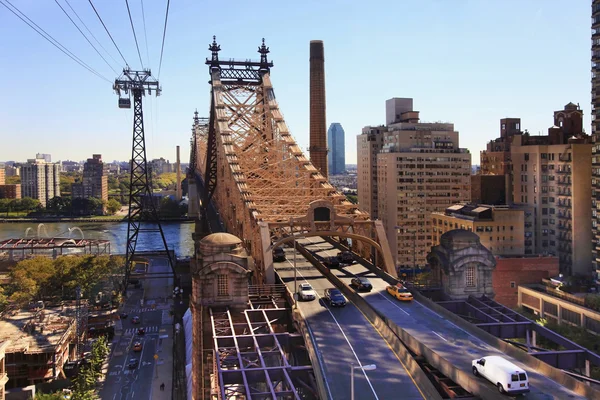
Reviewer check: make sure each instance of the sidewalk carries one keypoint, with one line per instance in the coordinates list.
(164, 365)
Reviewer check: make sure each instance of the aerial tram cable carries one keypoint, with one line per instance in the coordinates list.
(162, 47)
(86, 38)
(145, 34)
(90, 32)
(109, 35)
(134, 35)
(51, 40)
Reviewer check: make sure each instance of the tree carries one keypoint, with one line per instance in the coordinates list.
(49, 396)
(29, 279)
(95, 205)
(5, 205)
(13, 180)
(26, 204)
(112, 206)
(58, 205)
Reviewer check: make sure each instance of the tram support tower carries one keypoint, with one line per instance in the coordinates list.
(142, 209)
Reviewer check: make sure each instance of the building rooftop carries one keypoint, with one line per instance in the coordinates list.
(38, 330)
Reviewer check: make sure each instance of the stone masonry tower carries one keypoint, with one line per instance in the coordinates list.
(318, 132)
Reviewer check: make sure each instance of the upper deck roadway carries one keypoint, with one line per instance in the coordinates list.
(343, 336)
(438, 334)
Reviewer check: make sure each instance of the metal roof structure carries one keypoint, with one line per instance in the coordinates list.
(55, 246)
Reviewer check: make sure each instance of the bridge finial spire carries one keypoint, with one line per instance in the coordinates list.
(263, 50)
(214, 48)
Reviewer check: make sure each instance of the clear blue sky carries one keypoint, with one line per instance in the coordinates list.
(470, 62)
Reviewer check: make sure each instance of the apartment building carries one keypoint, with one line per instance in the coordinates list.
(555, 179)
(407, 170)
(94, 182)
(596, 135)
(504, 230)
(40, 180)
(3, 375)
(10, 192)
(495, 160)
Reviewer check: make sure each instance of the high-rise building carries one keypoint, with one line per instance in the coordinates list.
(318, 135)
(45, 157)
(596, 134)
(336, 142)
(95, 180)
(2, 175)
(406, 171)
(40, 180)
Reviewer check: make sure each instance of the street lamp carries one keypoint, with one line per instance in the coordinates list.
(369, 367)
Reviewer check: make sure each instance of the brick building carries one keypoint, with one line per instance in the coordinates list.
(10, 191)
(513, 271)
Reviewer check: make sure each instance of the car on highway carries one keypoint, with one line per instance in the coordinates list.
(361, 284)
(135, 320)
(278, 254)
(137, 346)
(400, 292)
(334, 297)
(306, 292)
(345, 257)
(331, 262)
(141, 331)
(133, 363)
(508, 377)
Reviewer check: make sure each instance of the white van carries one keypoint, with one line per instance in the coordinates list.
(507, 377)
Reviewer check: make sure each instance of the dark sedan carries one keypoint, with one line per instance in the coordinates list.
(331, 262)
(361, 284)
(335, 298)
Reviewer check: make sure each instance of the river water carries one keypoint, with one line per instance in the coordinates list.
(177, 234)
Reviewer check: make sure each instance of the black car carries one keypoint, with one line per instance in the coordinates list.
(361, 284)
(346, 257)
(278, 254)
(331, 262)
(335, 298)
(133, 363)
(141, 331)
(123, 315)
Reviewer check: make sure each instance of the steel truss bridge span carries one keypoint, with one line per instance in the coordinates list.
(263, 186)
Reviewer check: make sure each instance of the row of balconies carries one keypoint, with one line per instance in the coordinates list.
(564, 215)
(564, 191)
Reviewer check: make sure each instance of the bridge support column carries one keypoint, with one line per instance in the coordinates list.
(267, 255)
(533, 338)
(587, 371)
(388, 261)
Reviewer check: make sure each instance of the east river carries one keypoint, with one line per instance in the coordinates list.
(177, 234)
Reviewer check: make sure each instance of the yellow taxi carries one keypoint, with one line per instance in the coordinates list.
(400, 292)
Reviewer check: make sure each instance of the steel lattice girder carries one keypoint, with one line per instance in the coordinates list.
(256, 364)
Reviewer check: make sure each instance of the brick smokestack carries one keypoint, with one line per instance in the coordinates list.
(178, 170)
(318, 132)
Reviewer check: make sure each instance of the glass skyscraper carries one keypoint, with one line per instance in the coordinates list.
(337, 149)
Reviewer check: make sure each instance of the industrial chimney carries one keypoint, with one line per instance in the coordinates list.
(178, 166)
(318, 133)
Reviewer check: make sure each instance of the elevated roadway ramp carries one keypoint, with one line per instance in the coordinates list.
(439, 335)
(343, 336)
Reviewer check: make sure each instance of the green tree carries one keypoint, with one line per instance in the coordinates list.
(58, 205)
(85, 384)
(5, 205)
(25, 204)
(29, 279)
(49, 396)
(95, 205)
(112, 206)
(3, 298)
(13, 180)
(167, 180)
(66, 180)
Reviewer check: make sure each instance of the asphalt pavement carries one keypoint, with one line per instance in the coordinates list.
(443, 337)
(344, 337)
(151, 304)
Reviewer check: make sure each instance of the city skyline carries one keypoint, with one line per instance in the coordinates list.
(465, 67)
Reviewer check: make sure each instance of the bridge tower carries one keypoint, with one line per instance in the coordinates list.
(142, 209)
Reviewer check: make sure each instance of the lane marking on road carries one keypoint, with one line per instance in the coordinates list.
(391, 302)
(440, 336)
(345, 337)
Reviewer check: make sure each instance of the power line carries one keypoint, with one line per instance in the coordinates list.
(86, 38)
(109, 35)
(145, 34)
(134, 35)
(47, 36)
(90, 32)
(162, 47)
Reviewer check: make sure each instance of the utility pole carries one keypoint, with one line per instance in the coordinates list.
(141, 201)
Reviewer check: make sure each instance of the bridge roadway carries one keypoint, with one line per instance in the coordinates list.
(343, 336)
(438, 334)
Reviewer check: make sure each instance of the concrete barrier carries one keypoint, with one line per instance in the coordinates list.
(419, 377)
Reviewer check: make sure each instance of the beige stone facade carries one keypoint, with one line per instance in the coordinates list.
(3, 374)
(40, 180)
(411, 169)
(501, 229)
(556, 181)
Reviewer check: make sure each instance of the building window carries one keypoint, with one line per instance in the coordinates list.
(470, 276)
(223, 285)
(513, 285)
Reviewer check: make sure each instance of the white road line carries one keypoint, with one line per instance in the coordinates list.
(440, 336)
(345, 337)
(394, 304)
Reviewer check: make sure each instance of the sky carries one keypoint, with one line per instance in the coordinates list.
(470, 62)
